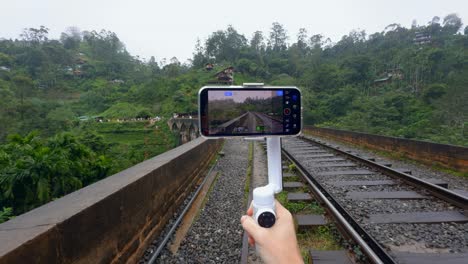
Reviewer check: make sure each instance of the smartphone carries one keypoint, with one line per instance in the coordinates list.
(232, 111)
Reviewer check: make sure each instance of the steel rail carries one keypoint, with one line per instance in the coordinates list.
(370, 247)
(440, 192)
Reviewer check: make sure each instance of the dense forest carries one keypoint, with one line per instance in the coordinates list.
(405, 82)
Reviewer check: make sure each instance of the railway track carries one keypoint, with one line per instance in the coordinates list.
(393, 216)
(386, 213)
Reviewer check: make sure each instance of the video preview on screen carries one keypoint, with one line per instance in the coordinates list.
(245, 112)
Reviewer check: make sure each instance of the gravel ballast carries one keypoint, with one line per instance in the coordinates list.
(216, 234)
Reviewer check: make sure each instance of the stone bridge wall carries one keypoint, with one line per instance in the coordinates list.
(110, 221)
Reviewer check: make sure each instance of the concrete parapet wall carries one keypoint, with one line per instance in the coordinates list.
(110, 221)
(447, 156)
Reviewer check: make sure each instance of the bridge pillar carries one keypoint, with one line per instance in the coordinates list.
(184, 137)
(193, 133)
(185, 128)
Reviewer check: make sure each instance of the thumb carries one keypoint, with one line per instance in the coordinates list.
(250, 226)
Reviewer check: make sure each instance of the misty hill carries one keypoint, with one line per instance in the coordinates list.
(408, 82)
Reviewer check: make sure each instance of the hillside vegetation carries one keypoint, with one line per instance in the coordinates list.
(406, 82)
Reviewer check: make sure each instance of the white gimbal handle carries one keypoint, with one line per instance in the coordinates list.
(264, 197)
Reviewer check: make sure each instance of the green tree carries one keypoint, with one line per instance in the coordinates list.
(257, 42)
(34, 171)
(316, 41)
(6, 214)
(452, 23)
(225, 45)
(302, 40)
(5, 60)
(278, 37)
(71, 38)
(35, 35)
(199, 59)
(433, 92)
(60, 119)
(23, 86)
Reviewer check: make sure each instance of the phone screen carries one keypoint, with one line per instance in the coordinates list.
(250, 111)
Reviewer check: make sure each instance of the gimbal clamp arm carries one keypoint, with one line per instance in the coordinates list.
(264, 197)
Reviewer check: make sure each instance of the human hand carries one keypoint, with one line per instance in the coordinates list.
(277, 244)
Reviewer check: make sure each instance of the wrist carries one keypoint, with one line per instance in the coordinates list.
(289, 256)
(295, 258)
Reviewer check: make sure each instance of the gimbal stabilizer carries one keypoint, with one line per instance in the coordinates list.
(264, 111)
(263, 201)
(263, 197)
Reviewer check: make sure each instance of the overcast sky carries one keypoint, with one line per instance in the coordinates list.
(170, 28)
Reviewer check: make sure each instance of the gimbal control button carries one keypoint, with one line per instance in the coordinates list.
(266, 219)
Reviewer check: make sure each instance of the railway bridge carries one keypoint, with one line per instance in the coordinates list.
(116, 219)
(186, 128)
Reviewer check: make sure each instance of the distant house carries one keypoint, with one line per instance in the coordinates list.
(397, 74)
(77, 73)
(209, 66)
(382, 81)
(117, 81)
(422, 38)
(155, 119)
(83, 118)
(389, 76)
(225, 76)
(4, 68)
(80, 61)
